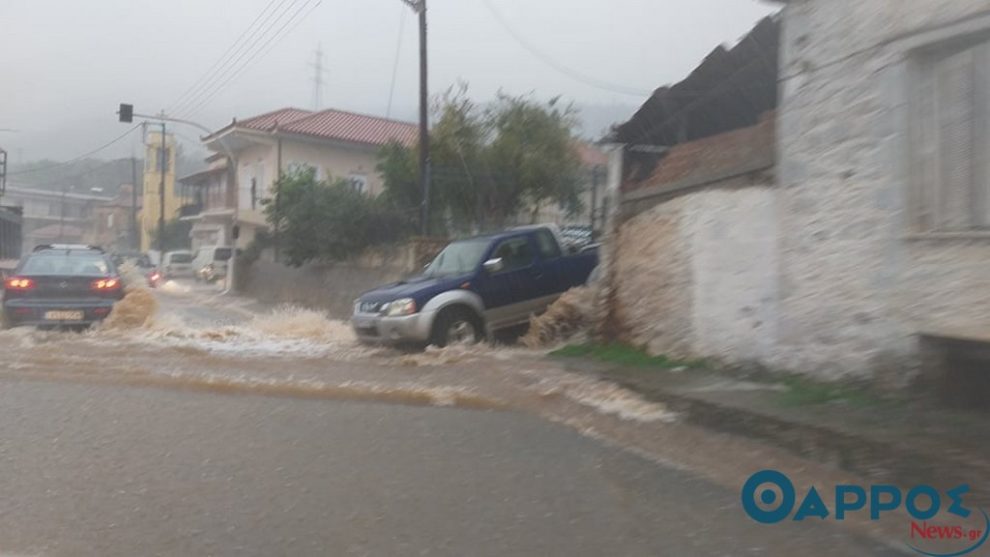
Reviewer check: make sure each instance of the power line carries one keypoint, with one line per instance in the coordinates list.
(77, 158)
(263, 51)
(224, 58)
(395, 63)
(234, 66)
(232, 63)
(569, 72)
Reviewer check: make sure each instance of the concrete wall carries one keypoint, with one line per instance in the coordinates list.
(334, 286)
(856, 282)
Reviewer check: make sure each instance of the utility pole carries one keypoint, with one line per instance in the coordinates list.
(424, 117)
(596, 174)
(135, 239)
(61, 216)
(162, 165)
(126, 114)
(278, 194)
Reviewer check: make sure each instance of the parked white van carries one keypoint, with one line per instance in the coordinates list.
(210, 262)
(177, 264)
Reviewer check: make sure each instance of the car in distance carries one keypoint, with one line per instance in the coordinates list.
(472, 288)
(210, 263)
(61, 285)
(177, 264)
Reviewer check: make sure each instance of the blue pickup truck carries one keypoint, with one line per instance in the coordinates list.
(472, 288)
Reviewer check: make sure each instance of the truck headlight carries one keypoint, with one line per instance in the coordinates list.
(402, 306)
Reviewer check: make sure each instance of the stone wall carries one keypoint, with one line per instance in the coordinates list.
(695, 274)
(857, 283)
(695, 250)
(334, 286)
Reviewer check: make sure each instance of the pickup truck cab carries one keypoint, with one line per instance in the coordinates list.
(473, 287)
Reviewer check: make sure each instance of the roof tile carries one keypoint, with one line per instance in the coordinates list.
(357, 128)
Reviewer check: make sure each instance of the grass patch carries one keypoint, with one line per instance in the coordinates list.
(802, 392)
(624, 355)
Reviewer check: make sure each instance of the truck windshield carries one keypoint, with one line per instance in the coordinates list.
(459, 257)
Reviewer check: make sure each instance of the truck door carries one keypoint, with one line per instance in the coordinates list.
(508, 293)
(549, 280)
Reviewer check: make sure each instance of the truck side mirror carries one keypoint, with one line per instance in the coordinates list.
(493, 265)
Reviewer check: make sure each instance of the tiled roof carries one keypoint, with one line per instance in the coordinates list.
(335, 124)
(267, 121)
(712, 158)
(591, 155)
(357, 128)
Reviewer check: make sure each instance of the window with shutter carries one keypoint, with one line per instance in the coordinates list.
(950, 140)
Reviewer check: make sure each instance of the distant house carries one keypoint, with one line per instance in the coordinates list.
(334, 143)
(64, 215)
(211, 203)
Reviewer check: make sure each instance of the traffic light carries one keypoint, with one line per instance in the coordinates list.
(236, 232)
(126, 113)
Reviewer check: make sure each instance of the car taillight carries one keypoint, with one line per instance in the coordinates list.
(18, 283)
(105, 284)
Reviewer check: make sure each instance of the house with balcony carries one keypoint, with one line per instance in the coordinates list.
(209, 203)
(335, 143)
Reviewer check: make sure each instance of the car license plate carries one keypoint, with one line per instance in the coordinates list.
(63, 316)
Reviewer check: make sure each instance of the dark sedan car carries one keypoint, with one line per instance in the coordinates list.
(61, 285)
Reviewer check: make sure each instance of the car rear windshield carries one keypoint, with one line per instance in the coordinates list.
(458, 258)
(88, 265)
(222, 254)
(180, 258)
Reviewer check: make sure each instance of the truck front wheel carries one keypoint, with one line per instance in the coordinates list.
(456, 325)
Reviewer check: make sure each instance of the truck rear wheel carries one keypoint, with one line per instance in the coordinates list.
(456, 325)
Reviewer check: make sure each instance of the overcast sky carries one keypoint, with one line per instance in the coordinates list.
(67, 63)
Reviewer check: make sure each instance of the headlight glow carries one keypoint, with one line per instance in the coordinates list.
(402, 306)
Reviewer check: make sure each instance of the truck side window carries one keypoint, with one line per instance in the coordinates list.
(547, 244)
(515, 254)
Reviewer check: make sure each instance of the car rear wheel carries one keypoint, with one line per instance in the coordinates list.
(456, 326)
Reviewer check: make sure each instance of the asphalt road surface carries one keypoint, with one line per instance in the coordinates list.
(109, 470)
(111, 446)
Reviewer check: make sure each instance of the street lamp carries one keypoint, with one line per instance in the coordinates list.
(126, 114)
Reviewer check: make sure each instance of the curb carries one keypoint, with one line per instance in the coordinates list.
(876, 460)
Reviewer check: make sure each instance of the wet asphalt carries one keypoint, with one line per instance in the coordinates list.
(112, 470)
(108, 470)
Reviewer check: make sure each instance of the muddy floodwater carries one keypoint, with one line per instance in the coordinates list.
(190, 336)
(186, 338)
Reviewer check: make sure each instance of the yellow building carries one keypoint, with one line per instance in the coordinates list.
(152, 185)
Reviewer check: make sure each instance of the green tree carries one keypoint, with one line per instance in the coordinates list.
(489, 164)
(176, 235)
(319, 220)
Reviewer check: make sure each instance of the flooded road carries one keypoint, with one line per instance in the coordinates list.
(196, 424)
